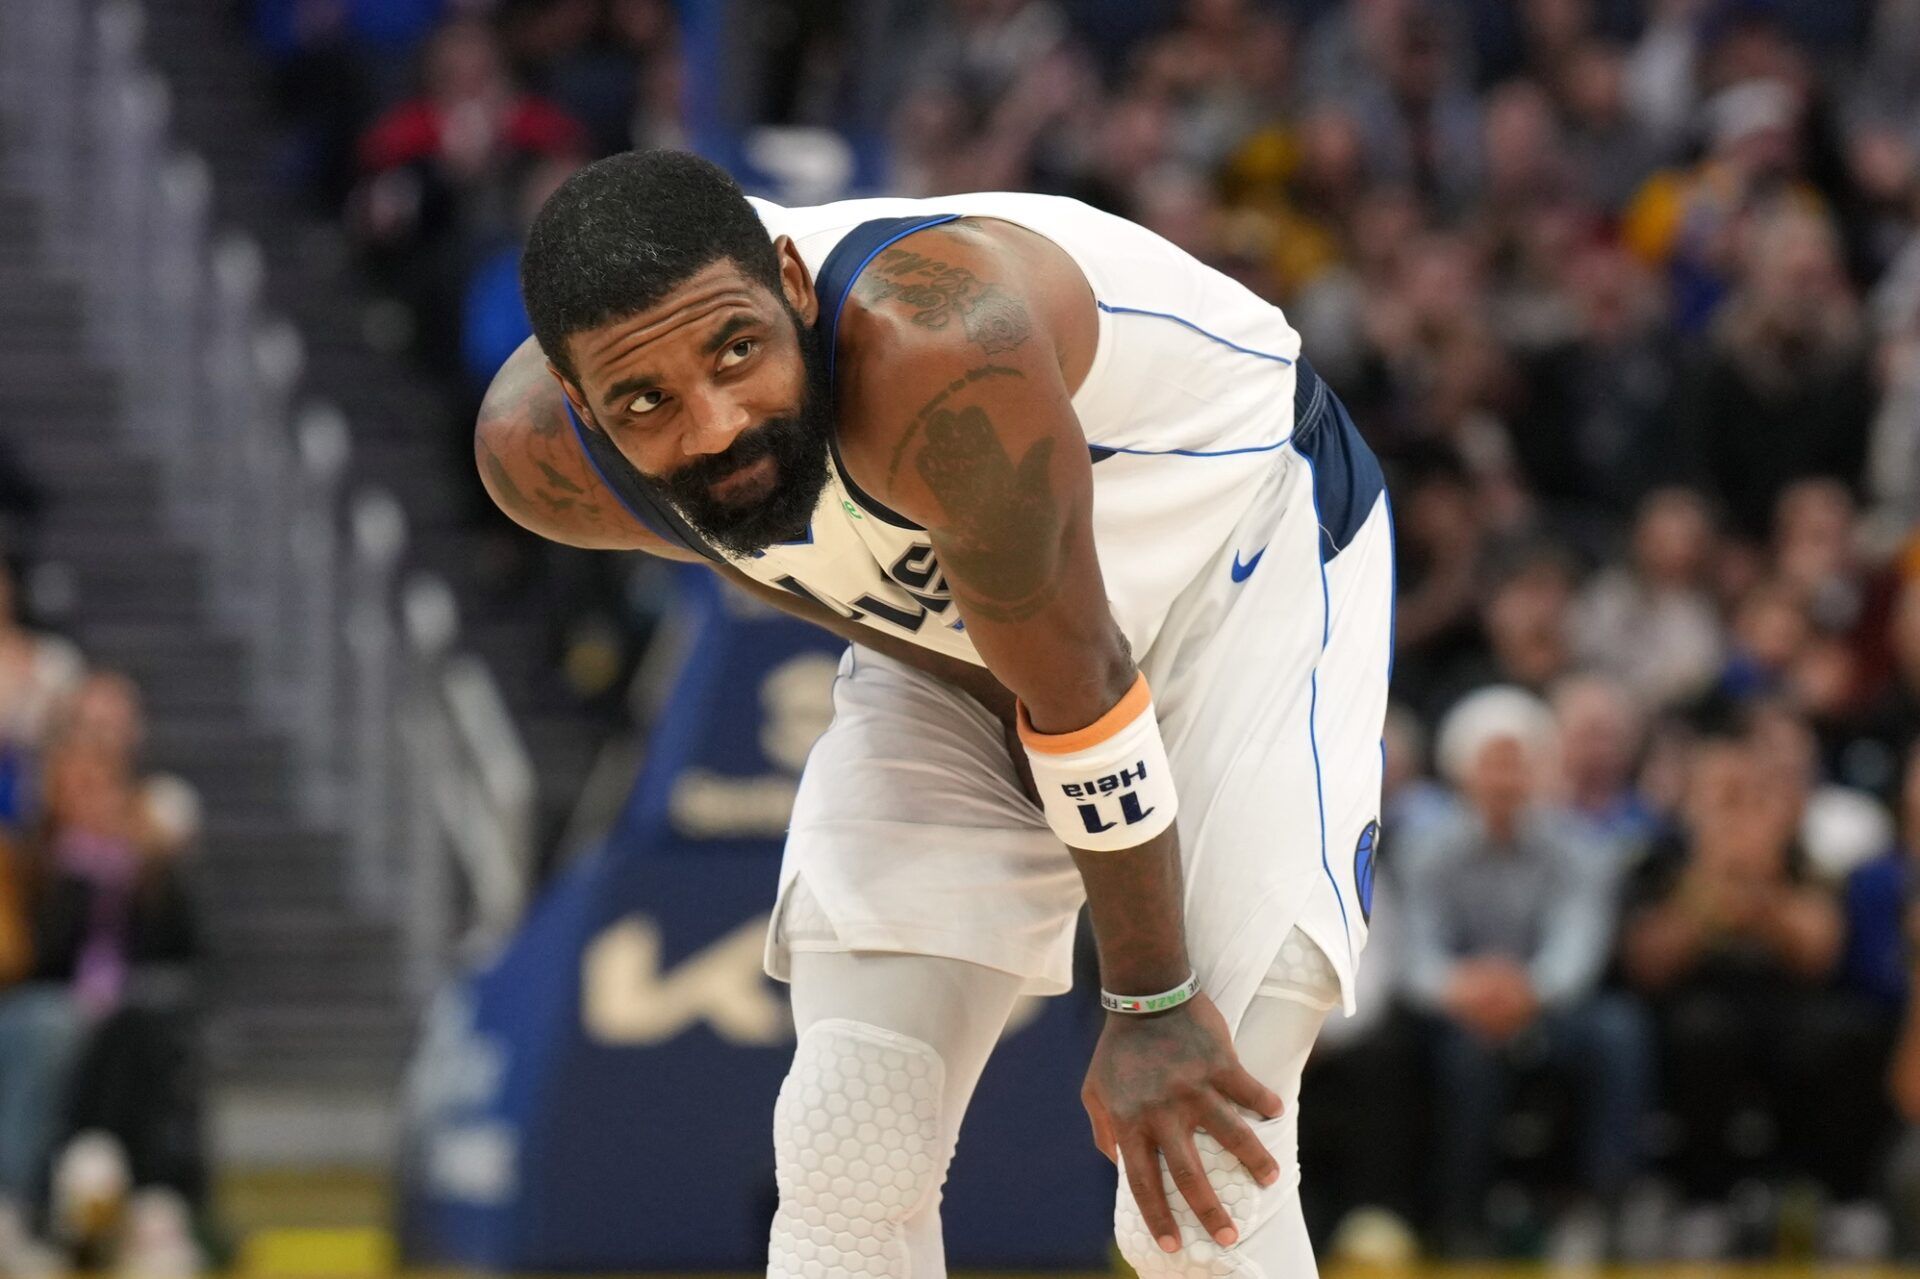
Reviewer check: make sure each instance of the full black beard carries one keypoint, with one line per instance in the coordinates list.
(797, 443)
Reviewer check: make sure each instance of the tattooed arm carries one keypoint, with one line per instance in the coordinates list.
(956, 412)
(535, 472)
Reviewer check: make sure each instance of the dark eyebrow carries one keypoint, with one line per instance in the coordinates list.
(737, 321)
(616, 396)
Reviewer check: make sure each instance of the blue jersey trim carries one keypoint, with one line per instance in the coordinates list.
(1189, 324)
(834, 283)
(1313, 717)
(1393, 586)
(586, 450)
(1107, 450)
(846, 291)
(663, 524)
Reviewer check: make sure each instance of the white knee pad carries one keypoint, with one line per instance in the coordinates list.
(1250, 1204)
(859, 1147)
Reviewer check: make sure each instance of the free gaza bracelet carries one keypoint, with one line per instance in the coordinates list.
(1138, 1004)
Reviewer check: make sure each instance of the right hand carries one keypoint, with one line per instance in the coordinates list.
(1153, 1083)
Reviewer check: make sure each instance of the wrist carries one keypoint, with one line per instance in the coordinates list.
(1150, 1005)
(1145, 973)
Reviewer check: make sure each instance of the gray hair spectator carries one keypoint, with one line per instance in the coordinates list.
(1508, 916)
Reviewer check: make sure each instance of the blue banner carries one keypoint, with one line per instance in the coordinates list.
(600, 1096)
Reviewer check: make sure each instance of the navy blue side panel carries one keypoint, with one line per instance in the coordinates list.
(625, 483)
(1346, 475)
(834, 285)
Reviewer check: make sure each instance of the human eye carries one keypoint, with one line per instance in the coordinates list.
(647, 401)
(738, 352)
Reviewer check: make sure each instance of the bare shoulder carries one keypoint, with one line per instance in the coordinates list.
(535, 471)
(949, 317)
(972, 282)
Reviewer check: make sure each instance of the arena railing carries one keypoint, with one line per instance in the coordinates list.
(401, 742)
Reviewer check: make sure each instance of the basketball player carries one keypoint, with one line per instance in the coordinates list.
(1064, 488)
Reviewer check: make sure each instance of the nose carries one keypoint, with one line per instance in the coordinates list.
(716, 421)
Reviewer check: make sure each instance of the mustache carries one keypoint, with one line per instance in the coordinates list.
(748, 447)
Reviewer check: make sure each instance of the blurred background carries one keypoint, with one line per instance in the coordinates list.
(381, 887)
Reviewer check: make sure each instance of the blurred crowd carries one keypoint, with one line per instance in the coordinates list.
(100, 1153)
(1626, 293)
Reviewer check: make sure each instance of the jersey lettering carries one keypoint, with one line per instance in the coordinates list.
(906, 621)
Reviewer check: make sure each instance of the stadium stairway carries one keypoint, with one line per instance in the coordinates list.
(305, 998)
(300, 995)
(410, 435)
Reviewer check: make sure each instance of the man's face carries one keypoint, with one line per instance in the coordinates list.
(717, 395)
(1499, 781)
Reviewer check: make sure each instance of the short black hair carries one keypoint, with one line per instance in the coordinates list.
(624, 232)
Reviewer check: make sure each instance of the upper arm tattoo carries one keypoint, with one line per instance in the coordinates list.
(1002, 546)
(991, 317)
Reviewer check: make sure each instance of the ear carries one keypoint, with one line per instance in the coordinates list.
(575, 396)
(796, 282)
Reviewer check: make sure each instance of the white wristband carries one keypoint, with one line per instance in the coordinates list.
(1107, 786)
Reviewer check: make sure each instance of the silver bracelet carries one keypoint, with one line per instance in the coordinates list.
(1139, 1004)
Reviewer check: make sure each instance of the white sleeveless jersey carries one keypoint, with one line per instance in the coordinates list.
(1185, 406)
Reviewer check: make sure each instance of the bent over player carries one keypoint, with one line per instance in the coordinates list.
(1064, 487)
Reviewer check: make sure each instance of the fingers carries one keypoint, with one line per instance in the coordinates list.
(1243, 1089)
(1102, 1126)
(1190, 1179)
(1142, 1164)
(1232, 1132)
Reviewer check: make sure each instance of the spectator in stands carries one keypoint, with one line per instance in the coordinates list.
(1434, 370)
(38, 673)
(1651, 621)
(1733, 942)
(1787, 359)
(1409, 799)
(1892, 718)
(493, 318)
(600, 61)
(1608, 153)
(336, 63)
(1398, 67)
(119, 931)
(1507, 917)
(1590, 427)
(1879, 898)
(1816, 552)
(1769, 633)
(441, 171)
(1893, 476)
(40, 1035)
(1600, 735)
(1442, 547)
(1882, 951)
(1524, 619)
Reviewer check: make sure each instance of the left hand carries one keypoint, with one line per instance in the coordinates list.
(1156, 1080)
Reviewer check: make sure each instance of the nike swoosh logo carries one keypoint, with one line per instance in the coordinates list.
(1241, 572)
